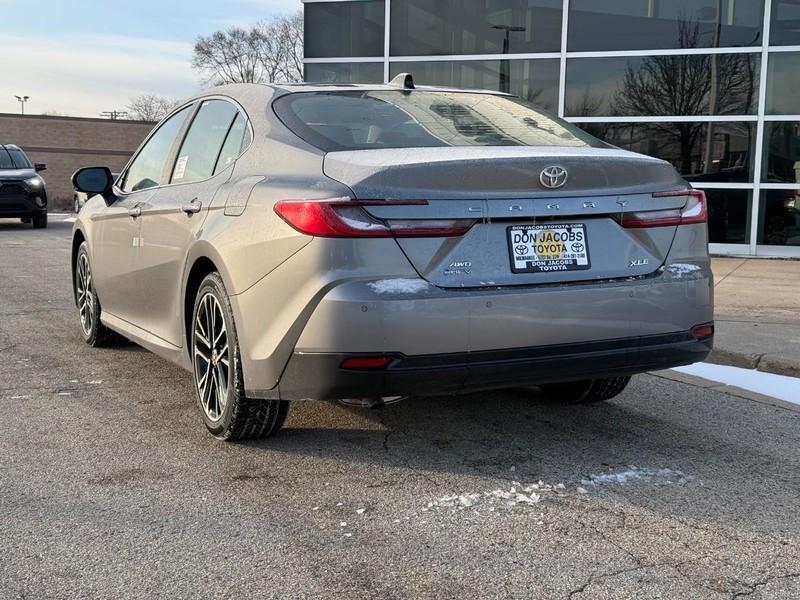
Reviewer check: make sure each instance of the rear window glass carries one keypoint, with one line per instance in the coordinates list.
(378, 119)
(11, 158)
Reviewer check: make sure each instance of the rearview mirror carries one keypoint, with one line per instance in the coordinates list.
(93, 180)
(39, 167)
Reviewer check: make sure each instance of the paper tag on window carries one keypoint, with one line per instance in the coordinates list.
(180, 168)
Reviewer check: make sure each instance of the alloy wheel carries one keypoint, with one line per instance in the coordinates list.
(212, 362)
(85, 291)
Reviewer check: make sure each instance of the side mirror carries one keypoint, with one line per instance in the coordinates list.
(40, 167)
(93, 180)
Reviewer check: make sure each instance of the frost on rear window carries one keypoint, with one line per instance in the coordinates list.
(422, 119)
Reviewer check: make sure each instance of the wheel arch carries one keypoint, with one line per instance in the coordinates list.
(202, 261)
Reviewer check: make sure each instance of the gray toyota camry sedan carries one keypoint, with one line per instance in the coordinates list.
(365, 243)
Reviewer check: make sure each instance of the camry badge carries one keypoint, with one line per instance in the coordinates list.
(553, 177)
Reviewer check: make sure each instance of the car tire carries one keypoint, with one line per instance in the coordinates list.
(93, 331)
(228, 413)
(585, 392)
(40, 221)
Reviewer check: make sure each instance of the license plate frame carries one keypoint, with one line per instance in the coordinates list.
(563, 258)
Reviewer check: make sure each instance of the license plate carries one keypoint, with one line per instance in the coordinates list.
(547, 248)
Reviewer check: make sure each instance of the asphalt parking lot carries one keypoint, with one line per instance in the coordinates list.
(111, 488)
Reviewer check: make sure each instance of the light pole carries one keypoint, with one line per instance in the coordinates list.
(505, 66)
(22, 101)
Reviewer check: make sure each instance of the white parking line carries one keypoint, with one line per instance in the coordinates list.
(775, 386)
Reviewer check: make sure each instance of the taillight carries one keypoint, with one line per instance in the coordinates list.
(695, 211)
(344, 218)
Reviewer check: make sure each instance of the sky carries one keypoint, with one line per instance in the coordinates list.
(83, 57)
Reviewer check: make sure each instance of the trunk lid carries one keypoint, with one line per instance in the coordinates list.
(500, 189)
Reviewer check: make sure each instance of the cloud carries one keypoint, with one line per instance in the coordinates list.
(86, 74)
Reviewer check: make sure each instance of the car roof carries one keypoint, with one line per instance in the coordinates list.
(354, 87)
(10, 147)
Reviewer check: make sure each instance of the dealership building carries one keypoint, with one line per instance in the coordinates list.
(712, 86)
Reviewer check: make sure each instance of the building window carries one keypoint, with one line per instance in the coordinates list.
(435, 27)
(715, 84)
(783, 81)
(652, 24)
(782, 152)
(729, 216)
(701, 152)
(649, 76)
(533, 80)
(779, 218)
(344, 29)
(344, 72)
(785, 30)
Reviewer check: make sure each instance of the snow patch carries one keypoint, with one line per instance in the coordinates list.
(517, 495)
(681, 269)
(399, 286)
(775, 386)
(635, 473)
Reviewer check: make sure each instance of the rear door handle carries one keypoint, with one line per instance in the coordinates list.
(135, 212)
(193, 207)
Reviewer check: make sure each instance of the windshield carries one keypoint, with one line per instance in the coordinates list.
(11, 158)
(421, 119)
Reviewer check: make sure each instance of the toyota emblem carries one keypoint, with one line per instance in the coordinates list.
(553, 177)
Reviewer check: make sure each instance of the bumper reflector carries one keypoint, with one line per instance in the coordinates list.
(366, 363)
(703, 331)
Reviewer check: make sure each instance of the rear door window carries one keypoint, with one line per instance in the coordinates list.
(203, 143)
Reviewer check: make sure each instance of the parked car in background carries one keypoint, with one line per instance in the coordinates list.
(365, 243)
(23, 192)
(80, 198)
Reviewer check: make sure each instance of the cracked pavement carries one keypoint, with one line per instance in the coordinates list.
(110, 487)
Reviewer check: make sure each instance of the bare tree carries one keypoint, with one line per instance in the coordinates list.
(271, 51)
(687, 85)
(150, 107)
(290, 34)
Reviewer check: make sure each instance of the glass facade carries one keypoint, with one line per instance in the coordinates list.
(532, 80)
(656, 24)
(447, 27)
(708, 85)
(344, 72)
(712, 84)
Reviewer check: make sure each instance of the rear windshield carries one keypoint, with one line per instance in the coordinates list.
(368, 120)
(11, 158)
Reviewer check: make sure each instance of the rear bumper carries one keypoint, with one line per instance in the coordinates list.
(318, 376)
(406, 317)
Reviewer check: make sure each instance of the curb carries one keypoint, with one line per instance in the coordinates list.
(766, 363)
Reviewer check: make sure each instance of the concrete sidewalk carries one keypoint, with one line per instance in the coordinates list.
(758, 314)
